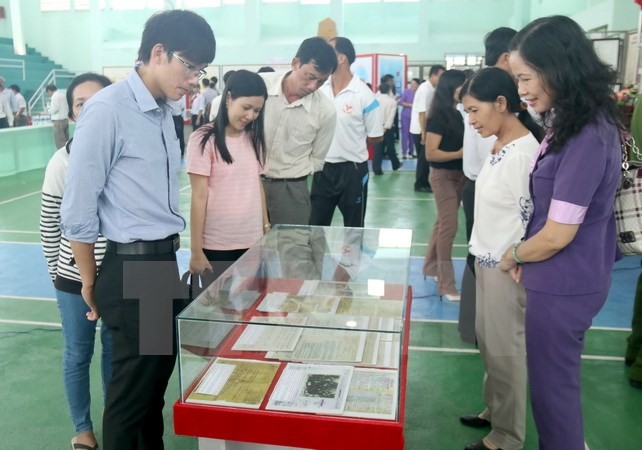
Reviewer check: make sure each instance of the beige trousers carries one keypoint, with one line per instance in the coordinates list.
(500, 311)
(61, 132)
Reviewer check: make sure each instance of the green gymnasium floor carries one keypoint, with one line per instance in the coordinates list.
(444, 378)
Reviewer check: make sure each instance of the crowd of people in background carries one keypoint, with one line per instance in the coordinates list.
(531, 209)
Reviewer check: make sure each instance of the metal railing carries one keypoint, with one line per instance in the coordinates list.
(38, 98)
(8, 63)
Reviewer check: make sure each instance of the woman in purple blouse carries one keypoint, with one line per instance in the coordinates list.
(566, 257)
(407, 146)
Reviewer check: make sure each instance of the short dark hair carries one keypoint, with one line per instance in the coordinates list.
(319, 53)
(205, 82)
(241, 83)
(265, 69)
(384, 88)
(417, 80)
(179, 30)
(51, 87)
(15, 87)
(573, 75)
(434, 70)
(80, 79)
(214, 80)
(344, 46)
(496, 43)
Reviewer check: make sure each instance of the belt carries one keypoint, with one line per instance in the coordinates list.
(162, 246)
(303, 178)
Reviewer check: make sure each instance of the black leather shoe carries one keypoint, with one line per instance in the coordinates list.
(628, 362)
(423, 189)
(479, 445)
(635, 383)
(474, 421)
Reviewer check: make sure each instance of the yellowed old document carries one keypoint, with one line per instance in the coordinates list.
(235, 382)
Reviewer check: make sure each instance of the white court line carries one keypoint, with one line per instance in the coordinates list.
(18, 198)
(429, 199)
(610, 329)
(28, 322)
(20, 242)
(434, 321)
(473, 351)
(19, 232)
(417, 244)
(184, 188)
(456, 321)
(20, 297)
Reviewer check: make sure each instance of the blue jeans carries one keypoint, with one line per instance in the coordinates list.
(78, 335)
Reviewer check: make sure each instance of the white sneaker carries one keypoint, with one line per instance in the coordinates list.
(453, 297)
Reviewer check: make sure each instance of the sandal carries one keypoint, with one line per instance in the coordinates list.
(79, 446)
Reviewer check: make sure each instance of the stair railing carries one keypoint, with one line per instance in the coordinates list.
(38, 98)
(8, 63)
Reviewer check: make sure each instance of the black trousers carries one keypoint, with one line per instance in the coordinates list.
(179, 126)
(133, 416)
(386, 146)
(221, 260)
(344, 185)
(4, 123)
(467, 306)
(195, 122)
(423, 166)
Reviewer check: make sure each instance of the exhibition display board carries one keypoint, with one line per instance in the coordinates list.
(301, 343)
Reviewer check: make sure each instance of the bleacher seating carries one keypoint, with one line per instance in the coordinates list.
(37, 67)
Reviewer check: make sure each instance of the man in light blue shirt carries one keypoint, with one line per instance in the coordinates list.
(122, 183)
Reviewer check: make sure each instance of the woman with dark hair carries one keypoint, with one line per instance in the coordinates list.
(502, 210)
(78, 330)
(573, 183)
(444, 140)
(225, 159)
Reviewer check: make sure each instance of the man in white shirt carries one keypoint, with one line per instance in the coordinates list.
(178, 115)
(20, 116)
(197, 107)
(6, 113)
(420, 108)
(343, 182)
(216, 103)
(59, 111)
(209, 94)
(299, 125)
(387, 146)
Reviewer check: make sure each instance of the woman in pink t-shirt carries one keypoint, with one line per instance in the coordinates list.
(225, 161)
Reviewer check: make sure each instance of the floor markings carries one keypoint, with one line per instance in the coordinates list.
(18, 198)
(21, 297)
(19, 232)
(28, 322)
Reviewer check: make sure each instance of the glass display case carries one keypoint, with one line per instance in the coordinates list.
(302, 342)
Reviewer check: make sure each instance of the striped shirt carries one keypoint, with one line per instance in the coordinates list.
(60, 261)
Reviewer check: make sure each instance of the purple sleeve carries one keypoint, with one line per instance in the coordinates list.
(582, 164)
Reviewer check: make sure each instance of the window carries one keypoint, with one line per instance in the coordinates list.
(55, 5)
(81, 5)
